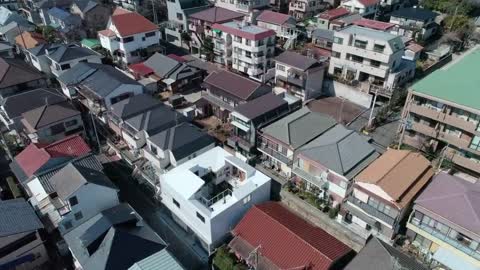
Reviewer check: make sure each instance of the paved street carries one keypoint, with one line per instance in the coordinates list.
(180, 244)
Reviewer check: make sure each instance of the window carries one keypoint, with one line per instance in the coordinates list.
(356, 58)
(56, 129)
(73, 201)
(374, 63)
(247, 199)
(150, 34)
(67, 224)
(127, 39)
(176, 203)
(280, 67)
(248, 54)
(78, 215)
(65, 66)
(378, 48)
(180, 16)
(238, 39)
(372, 202)
(199, 216)
(154, 150)
(338, 40)
(336, 54)
(360, 44)
(248, 42)
(475, 144)
(71, 123)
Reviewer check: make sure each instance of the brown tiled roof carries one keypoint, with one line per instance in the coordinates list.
(15, 71)
(233, 84)
(217, 15)
(399, 173)
(29, 40)
(272, 17)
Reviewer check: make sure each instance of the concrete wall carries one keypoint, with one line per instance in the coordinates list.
(337, 89)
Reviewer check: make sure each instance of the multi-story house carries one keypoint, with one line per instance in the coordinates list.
(327, 164)
(372, 58)
(285, 26)
(416, 23)
(442, 114)
(21, 243)
(37, 11)
(134, 122)
(16, 76)
(245, 48)
(248, 118)
(215, 191)
(443, 225)
(79, 194)
(178, 18)
(51, 122)
(201, 23)
(129, 36)
(366, 8)
(325, 18)
(12, 24)
(12, 107)
(98, 86)
(323, 39)
(375, 25)
(279, 141)
(304, 9)
(299, 75)
(64, 21)
(10, 4)
(226, 90)
(243, 6)
(383, 193)
(94, 15)
(174, 146)
(65, 56)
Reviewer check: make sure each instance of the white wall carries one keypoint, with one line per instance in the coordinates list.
(90, 59)
(36, 189)
(192, 155)
(337, 89)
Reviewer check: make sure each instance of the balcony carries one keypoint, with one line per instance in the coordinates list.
(275, 154)
(424, 129)
(417, 226)
(425, 111)
(298, 7)
(295, 80)
(439, 115)
(234, 141)
(465, 162)
(454, 140)
(315, 180)
(371, 210)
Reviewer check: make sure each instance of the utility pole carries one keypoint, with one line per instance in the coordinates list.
(95, 130)
(405, 122)
(442, 158)
(370, 118)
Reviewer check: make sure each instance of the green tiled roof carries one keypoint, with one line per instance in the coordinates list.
(458, 82)
(90, 42)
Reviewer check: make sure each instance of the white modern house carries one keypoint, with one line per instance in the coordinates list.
(244, 47)
(370, 57)
(366, 8)
(208, 195)
(303, 9)
(129, 36)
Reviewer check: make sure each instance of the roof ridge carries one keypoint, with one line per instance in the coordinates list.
(471, 207)
(393, 167)
(44, 108)
(296, 235)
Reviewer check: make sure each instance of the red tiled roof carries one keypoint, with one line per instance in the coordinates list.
(244, 34)
(107, 33)
(273, 17)
(287, 240)
(130, 23)
(372, 24)
(141, 69)
(232, 83)
(119, 11)
(368, 3)
(333, 14)
(34, 156)
(177, 58)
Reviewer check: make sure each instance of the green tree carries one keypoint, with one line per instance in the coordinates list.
(186, 38)
(223, 260)
(207, 48)
(48, 33)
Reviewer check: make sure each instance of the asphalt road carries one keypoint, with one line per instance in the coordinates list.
(180, 244)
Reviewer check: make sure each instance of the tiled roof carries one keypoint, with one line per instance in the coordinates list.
(287, 240)
(15, 72)
(68, 52)
(296, 60)
(29, 40)
(130, 23)
(372, 24)
(262, 105)
(48, 114)
(233, 84)
(368, 3)
(414, 47)
(106, 33)
(399, 173)
(273, 17)
(22, 102)
(251, 32)
(35, 156)
(333, 14)
(141, 69)
(17, 216)
(419, 14)
(217, 15)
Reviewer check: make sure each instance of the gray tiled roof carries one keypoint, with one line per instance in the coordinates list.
(97, 79)
(39, 50)
(48, 114)
(160, 260)
(377, 255)
(85, 5)
(156, 120)
(71, 177)
(261, 106)
(63, 53)
(17, 216)
(167, 67)
(323, 34)
(299, 127)
(182, 140)
(296, 60)
(134, 105)
(341, 150)
(22, 102)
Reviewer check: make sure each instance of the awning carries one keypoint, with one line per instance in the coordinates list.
(452, 260)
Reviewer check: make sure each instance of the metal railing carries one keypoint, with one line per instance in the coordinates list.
(371, 210)
(220, 196)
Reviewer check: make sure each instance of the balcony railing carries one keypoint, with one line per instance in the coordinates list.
(371, 210)
(221, 196)
(275, 154)
(316, 180)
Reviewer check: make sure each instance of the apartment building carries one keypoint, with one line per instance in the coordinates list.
(383, 193)
(416, 23)
(370, 58)
(129, 36)
(299, 75)
(201, 23)
(366, 8)
(248, 118)
(444, 223)
(243, 6)
(215, 191)
(178, 18)
(303, 9)
(244, 47)
(442, 113)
